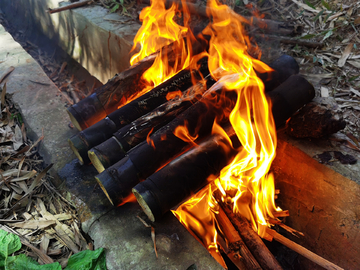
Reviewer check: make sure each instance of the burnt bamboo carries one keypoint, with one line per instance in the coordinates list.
(114, 149)
(104, 129)
(121, 88)
(144, 160)
(109, 152)
(107, 98)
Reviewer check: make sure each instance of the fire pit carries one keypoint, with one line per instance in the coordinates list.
(226, 139)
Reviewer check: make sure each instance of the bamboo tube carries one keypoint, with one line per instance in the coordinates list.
(102, 155)
(107, 98)
(104, 129)
(114, 149)
(144, 160)
(303, 251)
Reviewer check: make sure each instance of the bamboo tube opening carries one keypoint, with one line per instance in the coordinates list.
(76, 152)
(104, 189)
(96, 162)
(73, 120)
(143, 204)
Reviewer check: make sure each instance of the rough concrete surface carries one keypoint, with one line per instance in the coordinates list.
(127, 241)
(36, 97)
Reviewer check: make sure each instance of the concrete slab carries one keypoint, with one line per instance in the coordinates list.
(38, 100)
(99, 41)
(128, 242)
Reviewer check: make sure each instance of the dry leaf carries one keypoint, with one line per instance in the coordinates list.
(345, 55)
(357, 20)
(34, 224)
(324, 91)
(354, 63)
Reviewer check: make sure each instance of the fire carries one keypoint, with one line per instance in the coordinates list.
(246, 182)
(158, 30)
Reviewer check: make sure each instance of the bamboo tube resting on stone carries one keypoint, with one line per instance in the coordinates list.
(104, 129)
(144, 159)
(109, 152)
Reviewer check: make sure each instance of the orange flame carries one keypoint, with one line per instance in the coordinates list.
(246, 181)
(158, 30)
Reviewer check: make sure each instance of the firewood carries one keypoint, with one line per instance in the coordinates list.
(120, 89)
(303, 251)
(114, 149)
(106, 99)
(252, 240)
(235, 243)
(104, 129)
(283, 68)
(144, 160)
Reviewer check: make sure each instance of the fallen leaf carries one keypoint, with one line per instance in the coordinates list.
(354, 63)
(345, 55)
(324, 91)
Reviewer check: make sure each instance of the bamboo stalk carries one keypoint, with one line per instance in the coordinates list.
(303, 251)
(70, 6)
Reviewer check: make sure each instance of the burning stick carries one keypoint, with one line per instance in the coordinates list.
(303, 251)
(104, 129)
(114, 149)
(252, 240)
(236, 244)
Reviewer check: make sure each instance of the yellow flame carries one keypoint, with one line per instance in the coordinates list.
(158, 30)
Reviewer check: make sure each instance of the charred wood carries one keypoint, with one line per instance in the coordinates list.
(114, 149)
(252, 240)
(104, 129)
(144, 160)
(283, 68)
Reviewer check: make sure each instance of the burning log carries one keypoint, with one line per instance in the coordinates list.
(105, 128)
(114, 149)
(144, 160)
(106, 99)
(283, 67)
(121, 88)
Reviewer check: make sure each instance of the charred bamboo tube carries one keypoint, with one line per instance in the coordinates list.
(144, 160)
(112, 150)
(119, 89)
(104, 129)
(106, 99)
